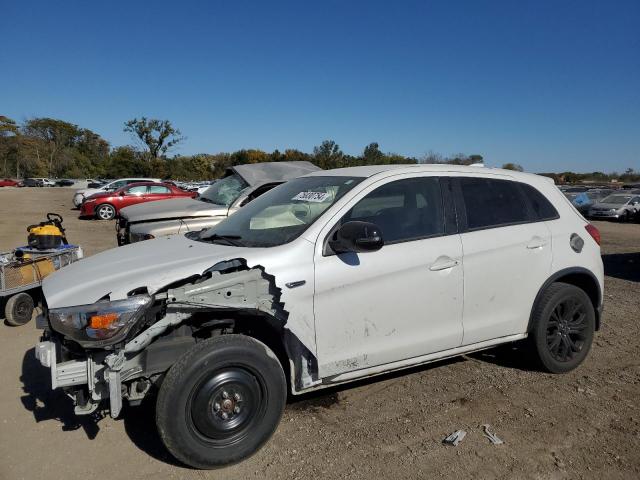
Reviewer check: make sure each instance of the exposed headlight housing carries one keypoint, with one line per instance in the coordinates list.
(102, 323)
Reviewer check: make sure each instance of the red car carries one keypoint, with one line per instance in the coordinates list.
(7, 182)
(106, 206)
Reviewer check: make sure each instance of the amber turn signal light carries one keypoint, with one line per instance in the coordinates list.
(102, 321)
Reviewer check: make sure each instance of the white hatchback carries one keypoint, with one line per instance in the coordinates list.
(332, 277)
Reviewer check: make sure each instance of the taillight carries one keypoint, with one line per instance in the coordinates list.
(594, 232)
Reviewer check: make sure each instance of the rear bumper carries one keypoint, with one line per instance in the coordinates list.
(595, 214)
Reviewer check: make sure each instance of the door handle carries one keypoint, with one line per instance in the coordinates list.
(442, 263)
(536, 242)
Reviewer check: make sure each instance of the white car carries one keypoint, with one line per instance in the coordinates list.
(80, 195)
(331, 277)
(619, 206)
(45, 182)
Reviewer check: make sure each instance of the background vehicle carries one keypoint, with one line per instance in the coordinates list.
(7, 182)
(335, 276)
(241, 185)
(33, 182)
(81, 194)
(38, 182)
(95, 183)
(64, 182)
(105, 206)
(619, 206)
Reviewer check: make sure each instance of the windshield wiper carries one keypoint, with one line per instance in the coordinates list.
(229, 239)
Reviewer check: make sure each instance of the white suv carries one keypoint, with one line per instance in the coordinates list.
(332, 277)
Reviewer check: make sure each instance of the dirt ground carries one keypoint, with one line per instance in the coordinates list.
(585, 424)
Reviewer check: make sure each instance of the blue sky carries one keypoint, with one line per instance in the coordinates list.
(552, 85)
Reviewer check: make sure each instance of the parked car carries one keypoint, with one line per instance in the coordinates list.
(329, 278)
(38, 182)
(81, 194)
(91, 183)
(7, 182)
(619, 206)
(64, 182)
(106, 205)
(242, 184)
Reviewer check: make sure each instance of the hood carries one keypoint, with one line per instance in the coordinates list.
(272, 172)
(99, 194)
(173, 208)
(152, 264)
(89, 191)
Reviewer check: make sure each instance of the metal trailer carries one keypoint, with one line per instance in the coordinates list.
(21, 274)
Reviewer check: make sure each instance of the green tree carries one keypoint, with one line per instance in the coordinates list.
(327, 155)
(513, 166)
(55, 136)
(372, 155)
(157, 136)
(8, 143)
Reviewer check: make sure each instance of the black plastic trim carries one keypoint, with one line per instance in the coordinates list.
(561, 273)
(462, 212)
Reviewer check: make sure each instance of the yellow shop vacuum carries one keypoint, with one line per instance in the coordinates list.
(47, 235)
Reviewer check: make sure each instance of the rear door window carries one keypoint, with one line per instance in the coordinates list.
(159, 189)
(137, 190)
(492, 203)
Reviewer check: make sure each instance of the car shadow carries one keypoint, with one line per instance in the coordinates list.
(516, 356)
(140, 427)
(139, 422)
(47, 404)
(625, 266)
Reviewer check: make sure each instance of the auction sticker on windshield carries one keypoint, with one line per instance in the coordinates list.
(311, 196)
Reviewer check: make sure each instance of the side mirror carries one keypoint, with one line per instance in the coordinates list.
(357, 237)
(122, 194)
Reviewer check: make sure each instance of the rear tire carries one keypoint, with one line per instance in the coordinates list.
(19, 309)
(221, 401)
(105, 212)
(563, 327)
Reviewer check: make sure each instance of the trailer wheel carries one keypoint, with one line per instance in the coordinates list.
(19, 309)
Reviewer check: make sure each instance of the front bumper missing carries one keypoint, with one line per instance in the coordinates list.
(97, 378)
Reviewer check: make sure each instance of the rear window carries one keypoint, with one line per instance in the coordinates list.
(492, 203)
(542, 207)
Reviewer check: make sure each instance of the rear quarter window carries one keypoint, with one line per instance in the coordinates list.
(542, 208)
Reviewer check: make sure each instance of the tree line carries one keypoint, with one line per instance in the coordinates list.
(48, 147)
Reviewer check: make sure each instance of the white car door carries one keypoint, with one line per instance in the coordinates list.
(507, 257)
(400, 302)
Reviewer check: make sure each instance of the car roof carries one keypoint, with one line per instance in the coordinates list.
(135, 184)
(371, 170)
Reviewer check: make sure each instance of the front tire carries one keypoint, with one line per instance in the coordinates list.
(105, 212)
(563, 327)
(221, 401)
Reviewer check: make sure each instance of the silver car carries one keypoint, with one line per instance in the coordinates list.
(241, 184)
(619, 206)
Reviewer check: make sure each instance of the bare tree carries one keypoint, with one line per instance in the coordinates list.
(157, 136)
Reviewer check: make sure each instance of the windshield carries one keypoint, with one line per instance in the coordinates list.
(281, 214)
(224, 192)
(616, 199)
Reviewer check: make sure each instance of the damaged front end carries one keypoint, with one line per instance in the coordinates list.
(115, 350)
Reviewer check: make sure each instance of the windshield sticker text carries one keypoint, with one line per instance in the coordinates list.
(311, 196)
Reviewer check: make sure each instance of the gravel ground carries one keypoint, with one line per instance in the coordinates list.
(585, 424)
